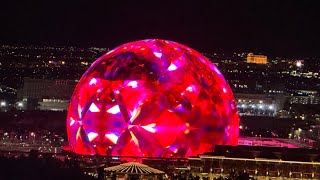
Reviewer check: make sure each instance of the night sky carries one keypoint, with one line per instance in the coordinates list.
(279, 28)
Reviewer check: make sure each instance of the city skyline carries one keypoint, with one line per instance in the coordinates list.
(282, 28)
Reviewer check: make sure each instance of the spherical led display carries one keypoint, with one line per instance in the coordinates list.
(153, 98)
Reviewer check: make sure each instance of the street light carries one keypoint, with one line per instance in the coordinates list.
(271, 107)
(3, 103)
(298, 63)
(20, 104)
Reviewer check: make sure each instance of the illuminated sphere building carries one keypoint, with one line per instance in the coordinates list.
(151, 98)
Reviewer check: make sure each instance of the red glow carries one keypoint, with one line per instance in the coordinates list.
(151, 98)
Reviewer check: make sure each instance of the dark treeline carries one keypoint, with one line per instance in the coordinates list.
(34, 120)
(40, 168)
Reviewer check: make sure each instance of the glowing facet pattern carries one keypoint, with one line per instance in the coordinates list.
(151, 98)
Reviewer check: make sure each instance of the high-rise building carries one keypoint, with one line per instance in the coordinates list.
(257, 59)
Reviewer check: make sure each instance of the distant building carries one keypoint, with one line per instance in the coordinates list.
(260, 162)
(304, 97)
(257, 59)
(47, 88)
(304, 100)
(46, 94)
(53, 105)
(259, 104)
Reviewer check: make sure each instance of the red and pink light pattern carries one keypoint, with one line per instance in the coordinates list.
(152, 98)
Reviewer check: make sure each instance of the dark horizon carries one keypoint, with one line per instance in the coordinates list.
(280, 28)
